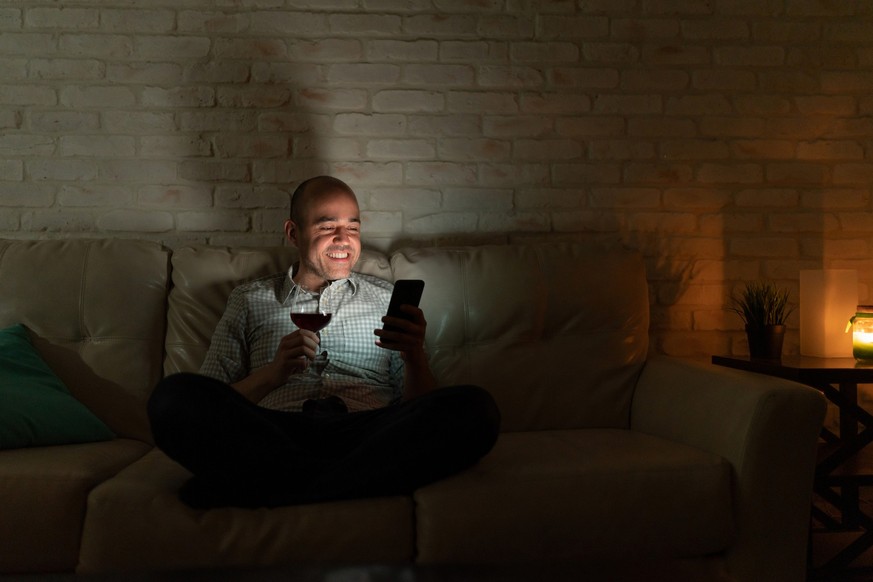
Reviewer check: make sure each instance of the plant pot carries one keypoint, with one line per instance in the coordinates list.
(766, 342)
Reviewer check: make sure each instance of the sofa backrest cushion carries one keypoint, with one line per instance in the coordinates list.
(96, 312)
(557, 333)
(203, 278)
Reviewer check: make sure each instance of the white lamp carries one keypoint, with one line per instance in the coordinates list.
(828, 299)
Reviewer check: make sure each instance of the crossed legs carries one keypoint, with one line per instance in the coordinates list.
(244, 455)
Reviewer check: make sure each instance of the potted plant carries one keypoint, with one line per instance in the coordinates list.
(763, 308)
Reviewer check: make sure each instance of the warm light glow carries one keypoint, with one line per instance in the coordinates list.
(828, 299)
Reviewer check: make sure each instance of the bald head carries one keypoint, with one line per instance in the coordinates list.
(325, 226)
(313, 188)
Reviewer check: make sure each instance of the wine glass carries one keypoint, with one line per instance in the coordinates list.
(309, 311)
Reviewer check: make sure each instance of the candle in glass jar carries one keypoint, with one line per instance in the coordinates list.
(862, 333)
(862, 345)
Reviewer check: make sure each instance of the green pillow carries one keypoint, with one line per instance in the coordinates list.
(36, 408)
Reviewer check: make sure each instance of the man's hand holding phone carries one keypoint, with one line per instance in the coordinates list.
(404, 325)
(403, 330)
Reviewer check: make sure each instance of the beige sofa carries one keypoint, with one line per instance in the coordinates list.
(607, 455)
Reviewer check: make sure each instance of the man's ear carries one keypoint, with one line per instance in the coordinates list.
(291, 231)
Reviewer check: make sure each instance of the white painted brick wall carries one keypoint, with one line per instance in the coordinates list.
(726, 140)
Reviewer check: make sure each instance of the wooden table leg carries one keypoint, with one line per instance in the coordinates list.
(849, 492)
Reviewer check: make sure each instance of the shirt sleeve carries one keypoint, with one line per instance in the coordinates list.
(228, 356)
(395, 363)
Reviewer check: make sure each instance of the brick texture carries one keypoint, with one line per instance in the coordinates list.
(727, 141)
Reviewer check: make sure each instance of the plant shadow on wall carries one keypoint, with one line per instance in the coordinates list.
(672, 280)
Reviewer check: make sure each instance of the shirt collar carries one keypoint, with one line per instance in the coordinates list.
(283, 293)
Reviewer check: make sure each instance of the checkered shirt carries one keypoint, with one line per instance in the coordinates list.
(349, 363)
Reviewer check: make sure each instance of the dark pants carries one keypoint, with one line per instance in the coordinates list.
(244, 455)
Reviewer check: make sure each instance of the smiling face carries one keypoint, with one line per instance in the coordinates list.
(327, 233)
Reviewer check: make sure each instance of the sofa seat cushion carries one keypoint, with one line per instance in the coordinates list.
(592, 494)
(135, 522)
(43, 493)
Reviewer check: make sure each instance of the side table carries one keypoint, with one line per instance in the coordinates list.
(843, 464)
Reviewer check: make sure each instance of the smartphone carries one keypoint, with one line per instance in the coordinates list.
(406, 292)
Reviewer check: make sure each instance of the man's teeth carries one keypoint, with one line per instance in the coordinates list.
(338, 255)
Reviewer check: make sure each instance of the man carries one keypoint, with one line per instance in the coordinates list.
(281, 415)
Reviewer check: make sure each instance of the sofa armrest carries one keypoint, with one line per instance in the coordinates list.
(767, 428)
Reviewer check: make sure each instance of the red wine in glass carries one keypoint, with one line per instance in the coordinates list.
(314, 322)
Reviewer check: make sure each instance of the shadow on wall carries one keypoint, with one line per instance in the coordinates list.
(247, 139)
(677, 282)
(278, 121)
